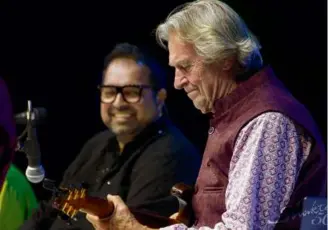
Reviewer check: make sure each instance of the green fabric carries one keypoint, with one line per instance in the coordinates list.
(17, 200)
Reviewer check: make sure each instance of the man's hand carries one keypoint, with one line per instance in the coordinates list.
(174, 216)
(121, 219)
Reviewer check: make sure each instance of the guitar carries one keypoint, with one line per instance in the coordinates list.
(70, 201)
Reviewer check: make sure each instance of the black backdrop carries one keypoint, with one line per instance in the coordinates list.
(52, 53)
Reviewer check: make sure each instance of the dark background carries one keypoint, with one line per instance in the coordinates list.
(52, 53)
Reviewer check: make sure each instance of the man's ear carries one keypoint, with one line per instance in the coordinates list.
(229, 63)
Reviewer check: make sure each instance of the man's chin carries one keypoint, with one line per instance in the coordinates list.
(123, 129)
(202, 106)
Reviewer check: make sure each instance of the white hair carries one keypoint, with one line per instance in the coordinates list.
(215, 30)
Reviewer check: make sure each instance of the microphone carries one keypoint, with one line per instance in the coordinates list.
(36, 116)
(34, 171)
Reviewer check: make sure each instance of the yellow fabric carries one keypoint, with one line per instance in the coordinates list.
(17, 200)
(2, 194)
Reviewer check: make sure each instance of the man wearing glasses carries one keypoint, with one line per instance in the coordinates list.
(141, 155)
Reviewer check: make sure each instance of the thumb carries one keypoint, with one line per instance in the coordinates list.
(117, 202)
(115, 199)
(174, 216)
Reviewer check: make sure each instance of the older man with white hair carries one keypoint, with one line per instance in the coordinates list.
(264, 153)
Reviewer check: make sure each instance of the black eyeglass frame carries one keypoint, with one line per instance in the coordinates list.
(119, 90)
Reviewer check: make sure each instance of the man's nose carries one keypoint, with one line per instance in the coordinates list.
(119, 100)
(179, 80)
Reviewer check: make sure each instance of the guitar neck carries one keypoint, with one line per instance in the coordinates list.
(96, 206)
(70, 201)
(104, 209)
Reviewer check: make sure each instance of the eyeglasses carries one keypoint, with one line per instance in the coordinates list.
(130, 93)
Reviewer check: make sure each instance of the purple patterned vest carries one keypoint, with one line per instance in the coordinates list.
(261, 93)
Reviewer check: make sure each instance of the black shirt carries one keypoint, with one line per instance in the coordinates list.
(143, 174)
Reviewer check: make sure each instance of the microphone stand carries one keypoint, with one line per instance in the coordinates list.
(19, 146)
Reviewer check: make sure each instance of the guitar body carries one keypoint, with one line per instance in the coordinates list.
(72, 201)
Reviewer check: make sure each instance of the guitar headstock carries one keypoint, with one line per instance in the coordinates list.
(70, 201)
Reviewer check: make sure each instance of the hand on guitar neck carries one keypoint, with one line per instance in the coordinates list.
(99, 210)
